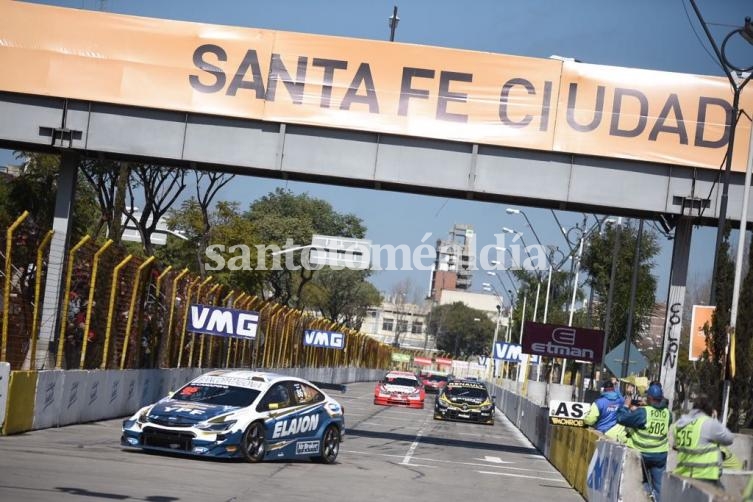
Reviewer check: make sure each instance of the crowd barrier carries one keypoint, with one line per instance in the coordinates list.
(598, 468)
(4, 378)
(43, 399)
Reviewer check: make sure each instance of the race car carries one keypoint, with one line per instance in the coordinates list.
(400, 388)
(245, 414)
(464, 400)
(434, 381)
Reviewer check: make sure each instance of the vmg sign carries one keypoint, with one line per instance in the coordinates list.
(220, 321)
(510, 352)
(326, 339)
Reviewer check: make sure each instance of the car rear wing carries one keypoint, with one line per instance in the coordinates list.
(332, 386)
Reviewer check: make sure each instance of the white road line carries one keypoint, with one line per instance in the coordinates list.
(456, 462)
(414, 445)
(522, 476)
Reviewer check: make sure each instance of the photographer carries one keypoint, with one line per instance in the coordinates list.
(650, 424)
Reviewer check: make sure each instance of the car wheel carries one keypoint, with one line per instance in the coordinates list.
(330, 446)
(253, 443)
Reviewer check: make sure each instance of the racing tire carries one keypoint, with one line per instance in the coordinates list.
(253, 445)
(330, 446)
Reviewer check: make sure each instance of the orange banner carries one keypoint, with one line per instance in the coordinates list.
(375, 86)
(701, 316)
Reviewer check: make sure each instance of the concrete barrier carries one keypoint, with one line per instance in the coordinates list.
(56, 398)
(48, 404)
(536, 392)
(19, 414)
(679, 489)
(4, 381)
(559, 392)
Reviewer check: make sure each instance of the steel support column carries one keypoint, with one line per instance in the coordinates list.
(56, 261)
(675, 306)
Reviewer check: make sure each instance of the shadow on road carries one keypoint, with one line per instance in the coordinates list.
(460, 443)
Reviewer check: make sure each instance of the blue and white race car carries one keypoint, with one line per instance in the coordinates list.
(244, 414)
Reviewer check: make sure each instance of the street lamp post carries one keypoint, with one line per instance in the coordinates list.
(492, 366)
(393, 20)
(746, 32)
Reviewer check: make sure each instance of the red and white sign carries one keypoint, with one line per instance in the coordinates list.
(423, 361)
(566, 342)
(443, 361)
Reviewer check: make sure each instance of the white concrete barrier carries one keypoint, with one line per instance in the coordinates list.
(48, 404)
(74, 390)
(4, 380)
(68, 397)
(679, 489)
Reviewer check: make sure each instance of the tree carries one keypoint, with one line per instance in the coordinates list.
(284, 219)
(109, 181)
(402, 296)
(460, 330)
(741, 401)
(208, 183)
(228, 228)
(342, 296)
(597, 261)
(161, 186)
(712, 361)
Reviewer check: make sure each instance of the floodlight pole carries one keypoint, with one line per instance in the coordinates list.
(631, 308)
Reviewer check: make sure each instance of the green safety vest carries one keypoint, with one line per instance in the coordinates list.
(653, 437)
(694, 461)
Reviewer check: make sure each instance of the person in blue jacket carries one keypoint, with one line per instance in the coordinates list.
(649, 426)
(603, 412)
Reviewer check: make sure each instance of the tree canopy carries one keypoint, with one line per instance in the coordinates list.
(460, 330)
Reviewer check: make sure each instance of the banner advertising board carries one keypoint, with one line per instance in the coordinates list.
(566, 342)
(422, 361)
(220, 321)
(569, 413)
(323, 339)
(512, 352)
(377, 86)
(701, 316)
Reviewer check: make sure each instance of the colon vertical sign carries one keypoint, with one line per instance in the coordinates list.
(220, 321)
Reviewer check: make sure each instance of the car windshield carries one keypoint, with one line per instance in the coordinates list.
(223, 395)
(467, 392)
(437, 378)
(407, 382)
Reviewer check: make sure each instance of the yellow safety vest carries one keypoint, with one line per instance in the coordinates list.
(693, 460)
(653, 437)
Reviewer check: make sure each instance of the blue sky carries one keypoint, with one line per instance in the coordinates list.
(658, 35)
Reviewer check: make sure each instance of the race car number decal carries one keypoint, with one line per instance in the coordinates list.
(306, 447)
(285, 428)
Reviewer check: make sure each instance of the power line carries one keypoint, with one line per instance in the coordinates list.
(692, 27)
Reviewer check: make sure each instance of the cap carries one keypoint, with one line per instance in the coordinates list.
(655, 391)
(607, 384)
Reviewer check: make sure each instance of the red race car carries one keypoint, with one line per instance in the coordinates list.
(434, 381)
(400, 388)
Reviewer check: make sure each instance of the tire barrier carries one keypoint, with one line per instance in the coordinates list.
(39, 400)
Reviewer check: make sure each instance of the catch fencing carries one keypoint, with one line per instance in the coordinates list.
(123, 311)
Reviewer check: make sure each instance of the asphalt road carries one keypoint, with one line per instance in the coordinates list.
(389, 453)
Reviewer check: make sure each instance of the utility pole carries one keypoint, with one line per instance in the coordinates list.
(631, 308)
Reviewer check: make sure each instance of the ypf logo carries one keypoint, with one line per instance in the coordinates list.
(564, 336)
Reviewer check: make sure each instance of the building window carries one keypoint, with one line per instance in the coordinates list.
(387, 325)
(417, 327)
(402, 326)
